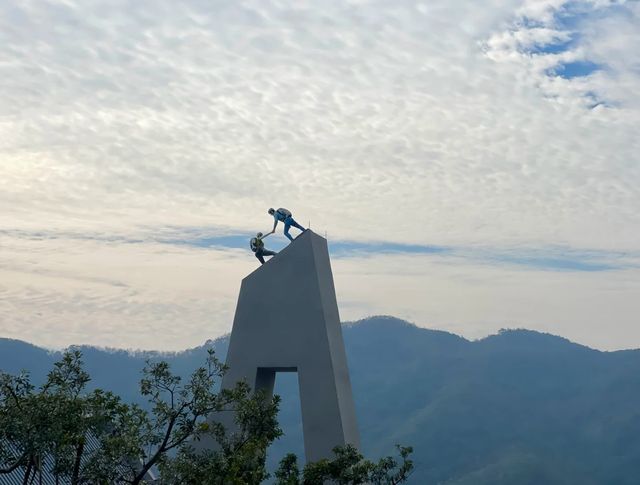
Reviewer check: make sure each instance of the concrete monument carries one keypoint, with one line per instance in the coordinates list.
(287, 321)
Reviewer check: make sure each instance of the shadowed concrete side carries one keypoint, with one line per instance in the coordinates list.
(287, 320)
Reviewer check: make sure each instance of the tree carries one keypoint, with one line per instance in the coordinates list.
(240, 458)
(94, 437)
(20, 418)
(53, 423)
(57, 422)
(348, 467)
(179, 417)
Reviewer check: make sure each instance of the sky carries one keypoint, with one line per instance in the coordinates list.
(473, 165)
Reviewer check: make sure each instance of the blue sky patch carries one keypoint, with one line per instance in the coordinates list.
(347, 248)
(574, 69)
(546, 259)
(555, 47)
(567, 19)
(567, 262)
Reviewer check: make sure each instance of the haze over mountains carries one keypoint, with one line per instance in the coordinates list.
(518, 407)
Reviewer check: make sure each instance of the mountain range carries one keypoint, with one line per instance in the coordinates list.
(519, 407)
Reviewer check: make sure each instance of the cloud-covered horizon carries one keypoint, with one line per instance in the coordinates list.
(505, 132)
(172, 294)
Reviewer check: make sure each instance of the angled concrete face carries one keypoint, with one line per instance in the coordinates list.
(287, 320)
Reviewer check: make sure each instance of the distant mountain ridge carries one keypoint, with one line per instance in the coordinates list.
(517, 407)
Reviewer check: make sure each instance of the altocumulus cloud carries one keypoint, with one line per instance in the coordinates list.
(502, 125)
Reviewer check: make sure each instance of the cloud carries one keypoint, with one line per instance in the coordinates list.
(58, 290)
(158, 113)
(62, 291)
(475, 300)
(435, 124)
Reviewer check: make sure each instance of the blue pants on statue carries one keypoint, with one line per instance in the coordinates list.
(288, 222)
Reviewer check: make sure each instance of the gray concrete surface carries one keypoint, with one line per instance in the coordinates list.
(287, 321)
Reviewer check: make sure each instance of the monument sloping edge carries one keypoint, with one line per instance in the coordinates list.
(295, 249)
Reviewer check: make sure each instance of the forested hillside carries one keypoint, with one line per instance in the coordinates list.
(517, 407)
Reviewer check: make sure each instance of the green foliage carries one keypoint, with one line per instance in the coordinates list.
(178, 417)
(240, 458)
(347, 467)
(57, 421)
(94, 437)
(288, 473)
(20, 420)
(54, 422)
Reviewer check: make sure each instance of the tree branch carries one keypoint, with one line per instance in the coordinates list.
(161, 449)
(19, 462)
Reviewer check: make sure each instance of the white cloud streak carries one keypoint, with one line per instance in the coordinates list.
(58, 292)
(138, 295)
(475, 300)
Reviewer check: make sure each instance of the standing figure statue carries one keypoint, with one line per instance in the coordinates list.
(284, 216)
(257, 246)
